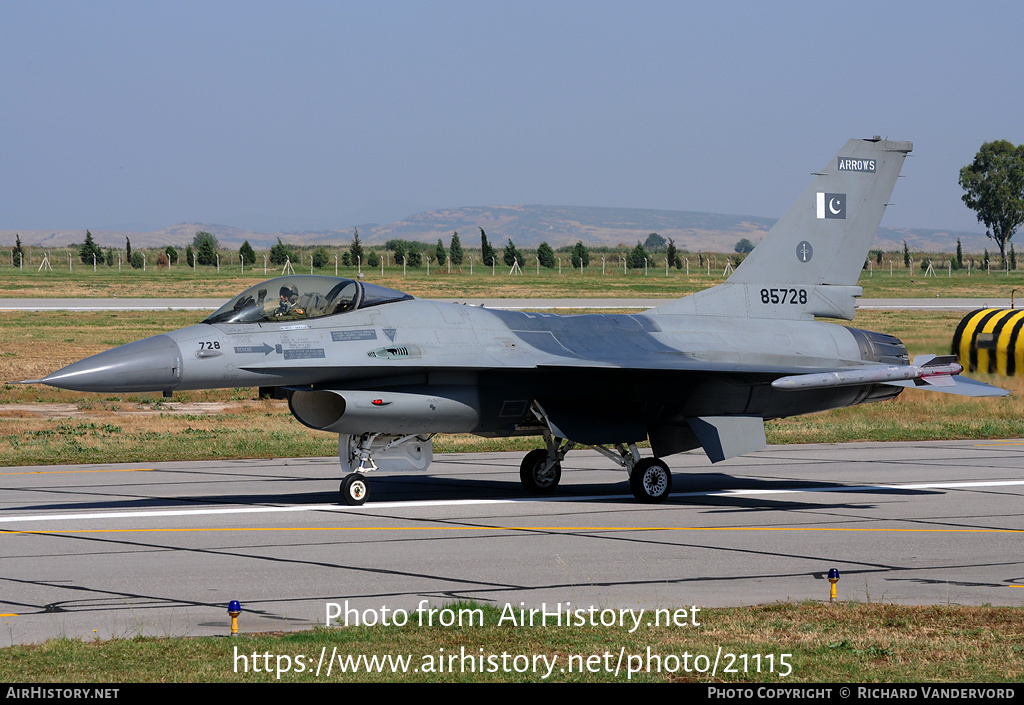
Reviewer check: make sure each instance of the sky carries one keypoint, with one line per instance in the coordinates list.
(277, 116)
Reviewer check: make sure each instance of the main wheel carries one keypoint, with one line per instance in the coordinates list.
(536, 479)
(651, 480)
(354, 489)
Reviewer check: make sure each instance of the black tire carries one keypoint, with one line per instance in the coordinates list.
(533, 475)
(651, 480)
(354, 490)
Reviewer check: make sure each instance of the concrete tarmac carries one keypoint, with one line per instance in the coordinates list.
(101, 551)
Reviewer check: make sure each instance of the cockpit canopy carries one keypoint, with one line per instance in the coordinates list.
(302, 297)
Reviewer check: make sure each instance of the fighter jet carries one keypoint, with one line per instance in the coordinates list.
(386, 371)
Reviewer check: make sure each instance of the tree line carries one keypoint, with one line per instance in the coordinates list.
(205, 250)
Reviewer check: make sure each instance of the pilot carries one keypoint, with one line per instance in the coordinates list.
(288, 301)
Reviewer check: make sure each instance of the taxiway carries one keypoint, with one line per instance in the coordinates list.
(100, 551)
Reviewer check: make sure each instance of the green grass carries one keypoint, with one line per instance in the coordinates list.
(183, 282)
(841, 643)
(206, 282)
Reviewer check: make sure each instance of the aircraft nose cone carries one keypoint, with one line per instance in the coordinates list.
(149, 365)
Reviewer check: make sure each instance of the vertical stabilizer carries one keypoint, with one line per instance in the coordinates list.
(809, 263)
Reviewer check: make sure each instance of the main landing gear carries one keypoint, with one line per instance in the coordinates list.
(541, 469)
(650, 479)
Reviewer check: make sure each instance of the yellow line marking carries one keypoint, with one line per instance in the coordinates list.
(996, 445)
(14, 615)
(62, 472)
(513, 528)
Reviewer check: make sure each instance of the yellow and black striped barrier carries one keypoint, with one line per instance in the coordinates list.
(990, 340)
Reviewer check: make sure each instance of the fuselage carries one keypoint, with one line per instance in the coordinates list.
(608, 375)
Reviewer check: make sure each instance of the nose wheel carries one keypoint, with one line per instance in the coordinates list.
(354, 489)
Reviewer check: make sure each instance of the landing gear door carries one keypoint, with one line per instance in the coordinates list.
(410, 455)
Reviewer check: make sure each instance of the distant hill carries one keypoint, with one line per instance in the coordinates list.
(527, 226)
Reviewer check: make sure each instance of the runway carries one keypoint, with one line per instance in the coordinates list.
(102, 551)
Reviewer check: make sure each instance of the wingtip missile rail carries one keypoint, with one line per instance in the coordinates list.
(926, 370)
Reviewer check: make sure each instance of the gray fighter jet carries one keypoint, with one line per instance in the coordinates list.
(386, 371)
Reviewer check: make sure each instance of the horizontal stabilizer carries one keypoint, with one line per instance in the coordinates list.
(725, 437)
(962, 386)
(934, 360)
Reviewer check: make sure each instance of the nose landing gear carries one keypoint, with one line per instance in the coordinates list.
(360, 455)
(353, 489)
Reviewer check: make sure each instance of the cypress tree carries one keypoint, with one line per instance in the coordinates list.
(488, 252)
(455, 249)
(637, 256)
(206, 254)
(580, 254)
(247, 253)
(671, 253)
(546, 255)
(512, 255)
(356, 251)
(320, 257)
(90, 250)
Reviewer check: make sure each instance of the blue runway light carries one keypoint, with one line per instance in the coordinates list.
(833, 577)
(234, 609)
